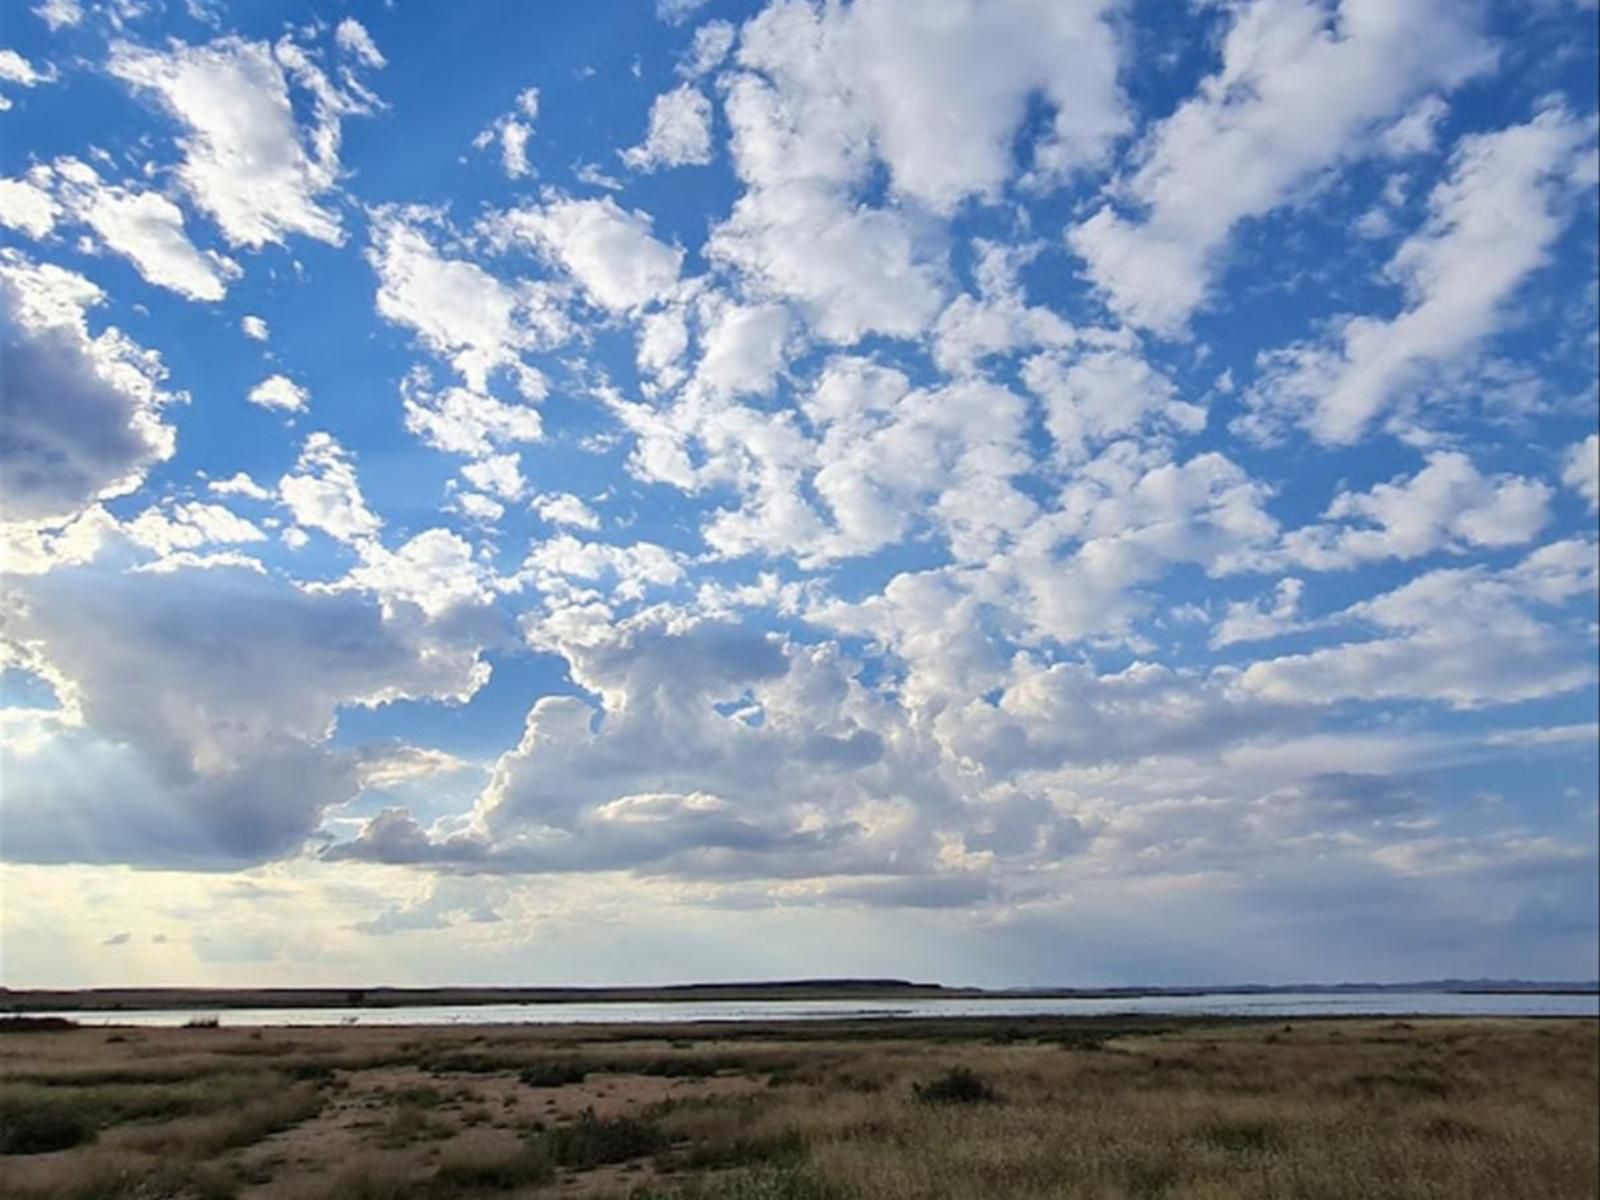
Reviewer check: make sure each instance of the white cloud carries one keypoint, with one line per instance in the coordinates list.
(254, 328)
(892, 455)
(280, 392)
(999, 320)
(609, 251)
(632, 569)
(190, 525)
(1491, 225)
(513, 131)
(853, 270)
(1298, 91)
(1581, 470)
(477, 322)
(563, 508)
(324, 493)
(83, 414)
(239, 485)
(353, 38)
(1447, 505)
(679, 133)
(663, 337)
(18, 70)
(462, 421)
(475, 506)
(743, 349)
(144, 227)
(936, 90)
(1255, 621)
(676, 12)
(1467, 638)
(435, 571)
(500, 474)
(1124, 521)
(1095, 397)
(59, 14)
(246, 161)
(712, 41)
(1418, 130)
(27, 206)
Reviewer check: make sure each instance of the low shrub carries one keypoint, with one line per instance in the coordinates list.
(553, 1074)
(958, 1085)
(527, 1166)
(593, 1141)
(43, 1129)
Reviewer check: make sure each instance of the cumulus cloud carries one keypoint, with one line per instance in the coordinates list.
(15, 69)
(323, 492)
(463, 421)
(1105, 394)
(1581, 470)
(853, 270)
(436, 571)
(472, 319)
(254, 328)
(59, 14)
(190, 525)
(500, 474)
(1259, 620)
(1466, 637)
(146, 228)
(667, 782)
(239, 484)
(186, 756)
(354, 39)
(1297, 91)
(1491, 225)
(679, 133)
(1447, 505)
(608, 250)
(82, 418)
(246, 159)
(280, 392)
(936, 91)
(512, 132)
(27, 205)
(627, 571)
(563, 508)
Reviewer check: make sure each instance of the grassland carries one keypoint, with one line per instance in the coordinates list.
(899, 1110)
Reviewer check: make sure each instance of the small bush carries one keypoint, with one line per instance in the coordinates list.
(527, 1166)
(205, 1022)
(41, 1130)
(593, 1141)
(958, 1085)
(555, 1074)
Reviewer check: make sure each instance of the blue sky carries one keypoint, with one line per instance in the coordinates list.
(1024, 492)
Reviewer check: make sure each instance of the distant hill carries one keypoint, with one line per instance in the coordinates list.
(25, 1000)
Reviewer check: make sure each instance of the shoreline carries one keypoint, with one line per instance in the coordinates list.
(65, 1000)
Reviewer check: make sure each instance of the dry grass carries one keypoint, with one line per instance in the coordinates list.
(902, 1111)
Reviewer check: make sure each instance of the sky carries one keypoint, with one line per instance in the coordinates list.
(1066, 492)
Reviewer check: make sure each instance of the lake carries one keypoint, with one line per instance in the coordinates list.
(1281, 1004)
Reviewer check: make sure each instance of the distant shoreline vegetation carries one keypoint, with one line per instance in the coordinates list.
(26, 1000)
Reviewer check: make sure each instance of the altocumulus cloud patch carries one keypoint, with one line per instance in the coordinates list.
(1020, 480)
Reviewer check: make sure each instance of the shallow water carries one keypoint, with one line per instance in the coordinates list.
(1282, 1004)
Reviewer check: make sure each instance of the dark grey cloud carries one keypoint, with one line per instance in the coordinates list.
(207, 696)
(77, 418)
